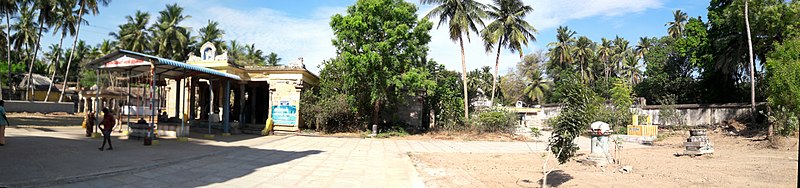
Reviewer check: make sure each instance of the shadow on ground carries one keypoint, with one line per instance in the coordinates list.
(45, 158)
(556, 178)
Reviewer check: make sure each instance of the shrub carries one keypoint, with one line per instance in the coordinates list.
(328, 114)
(668, 114)
(494, 120)
(784, 121)
(581, 108)
(535, 132)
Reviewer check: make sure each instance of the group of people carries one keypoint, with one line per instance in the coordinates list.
(108, 125)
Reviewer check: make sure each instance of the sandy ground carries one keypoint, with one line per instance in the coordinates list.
(738, 162)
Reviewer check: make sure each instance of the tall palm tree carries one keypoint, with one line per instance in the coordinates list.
(134, 35)
(273, 59)
(170, 39)
(235, 50)
(508, 29)
(211, 33)
(67, 25)
(8, 8)
(536, 86)
(563, 48)
(621, 50)
(47, 17)
(462, 17)
(254, 56)
(584, 52)
(25, 34)
(86, 6)
(631, 69)
(605, 52)
(676, 26)
(752, 70)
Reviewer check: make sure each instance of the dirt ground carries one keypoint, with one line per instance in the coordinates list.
(49, 119)
(737, 162)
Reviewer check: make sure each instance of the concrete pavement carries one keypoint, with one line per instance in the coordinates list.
(297, 161)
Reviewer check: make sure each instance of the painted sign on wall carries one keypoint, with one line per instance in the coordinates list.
(284, 114)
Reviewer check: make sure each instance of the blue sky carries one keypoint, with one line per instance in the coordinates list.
(295, 29)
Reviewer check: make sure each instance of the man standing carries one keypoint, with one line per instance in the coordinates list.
(108, 125)
(3, 123)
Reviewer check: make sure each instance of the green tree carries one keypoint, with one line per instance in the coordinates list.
(67, 26)
(508, 29)
(479, 81)
(47, 17)
(134, 35)
(211, 33)
(381, 49)
(584, 55)
(561, 52)
(7, 9)
(170, 39)
(581, 108)
(783, 76)
(86, 6)
(622, 98)
(676, 26)
(273, 59)
(462, 17)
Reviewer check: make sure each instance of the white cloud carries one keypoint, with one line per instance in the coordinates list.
(547, 14)
(310, 38)
(275, 31)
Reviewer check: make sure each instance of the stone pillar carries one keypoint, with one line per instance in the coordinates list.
(178, 98)
(86, 102)
(241, 103)
(226, 107)
(192, 98)
(253, 97)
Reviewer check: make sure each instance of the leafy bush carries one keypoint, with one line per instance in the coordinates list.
(582, 106)
(621, 96)
(784, 121)
(668, 114)
(494, 120)
(535, 132)
(393, 132)
(331, 114)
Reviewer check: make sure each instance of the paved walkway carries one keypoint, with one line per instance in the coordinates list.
(297, 161)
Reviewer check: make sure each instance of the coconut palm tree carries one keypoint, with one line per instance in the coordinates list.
(47, 17)
(561, 53)
(134, 35)
(211, 33)
(25, 34)
(462, 17)
(605, 52)
(86, 6)
(8, 8)
(273, 59)
(171, 40)
(677, 25)
(67, 24)
(235, 50)
(536, 86)
(508, 29)
(631, 69)
(584, 54)
(621, 50)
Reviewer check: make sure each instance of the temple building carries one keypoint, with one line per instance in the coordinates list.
(211, 90)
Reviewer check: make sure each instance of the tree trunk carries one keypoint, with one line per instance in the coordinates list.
(464, 78)
(496, 66)
(376, 112)
(53, 76)
(8, 55)
(752, 69)
(72, 52)
(29, 86)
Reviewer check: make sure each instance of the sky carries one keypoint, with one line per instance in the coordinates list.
(295, 29)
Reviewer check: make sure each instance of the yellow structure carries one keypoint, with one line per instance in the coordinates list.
(642, 130)
(264, 92)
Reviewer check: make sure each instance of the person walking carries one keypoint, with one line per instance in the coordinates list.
(3, 123)
(90, 119)
(108, 125)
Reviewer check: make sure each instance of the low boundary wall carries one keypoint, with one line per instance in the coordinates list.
(38, 106)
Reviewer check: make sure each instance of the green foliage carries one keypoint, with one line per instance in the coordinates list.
(783, 76)
(446, 99)
(621, 97)
(393, 132)
(581, 108)
(495, 120)
(381, 51)
(668, 114)
(535, 132)
(329, 114)
(785, 121)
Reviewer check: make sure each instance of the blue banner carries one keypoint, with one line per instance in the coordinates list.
(284, 115)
